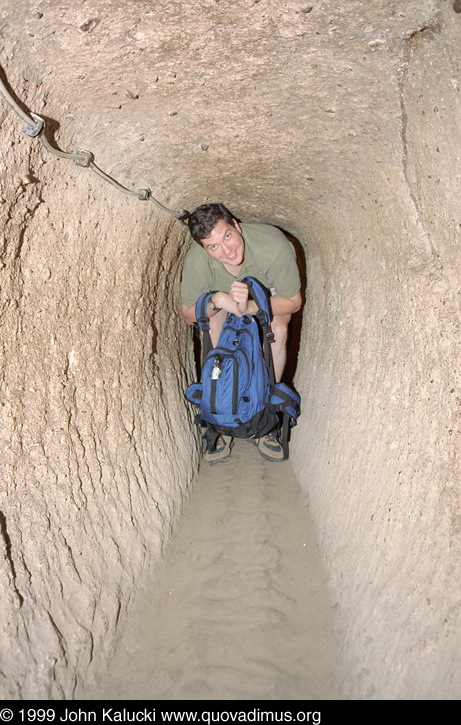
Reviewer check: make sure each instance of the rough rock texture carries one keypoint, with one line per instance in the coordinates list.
(94, 463)
(338, 121)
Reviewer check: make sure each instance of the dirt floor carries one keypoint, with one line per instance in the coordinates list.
(238, 608)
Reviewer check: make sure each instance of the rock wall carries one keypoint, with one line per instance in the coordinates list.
(381, 387)
(97, 449)
(337, 121)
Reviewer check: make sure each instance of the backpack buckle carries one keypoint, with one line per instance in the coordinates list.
(203, 323)
(216, 370)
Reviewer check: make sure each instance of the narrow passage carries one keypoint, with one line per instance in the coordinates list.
(238, 608)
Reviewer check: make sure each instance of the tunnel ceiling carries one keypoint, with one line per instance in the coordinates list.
(270, 106)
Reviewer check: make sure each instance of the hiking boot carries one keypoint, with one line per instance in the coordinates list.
(222, 452)
(270, 448)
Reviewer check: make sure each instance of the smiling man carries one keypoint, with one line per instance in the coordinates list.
(225, 253)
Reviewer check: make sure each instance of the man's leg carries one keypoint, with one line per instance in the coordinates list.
(222, 452)
(269, 446)
(279, 326)
(216, 324)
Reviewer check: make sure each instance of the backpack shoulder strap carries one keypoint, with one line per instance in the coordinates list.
(201, 310)
(286, 401)
(203, 322)
(260, 294)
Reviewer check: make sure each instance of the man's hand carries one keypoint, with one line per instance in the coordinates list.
(237, 301)
(239, 294)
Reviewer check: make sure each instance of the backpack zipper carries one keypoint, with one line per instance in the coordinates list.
(214, 378)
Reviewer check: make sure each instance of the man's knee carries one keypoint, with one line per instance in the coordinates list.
(279, 326)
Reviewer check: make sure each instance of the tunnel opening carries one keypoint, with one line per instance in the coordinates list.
(204, 654)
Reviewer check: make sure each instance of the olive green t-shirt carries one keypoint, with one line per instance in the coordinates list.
(269, 257)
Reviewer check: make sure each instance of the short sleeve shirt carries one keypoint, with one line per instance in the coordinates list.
(269, 257)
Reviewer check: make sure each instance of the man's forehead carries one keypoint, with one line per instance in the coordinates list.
(219, 230)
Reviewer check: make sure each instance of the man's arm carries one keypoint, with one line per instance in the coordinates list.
(222, 300)
(239, 304)
(188, 313)
(286, 305)
(280, 305)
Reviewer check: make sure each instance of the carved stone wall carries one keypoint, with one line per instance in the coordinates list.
(97, 448)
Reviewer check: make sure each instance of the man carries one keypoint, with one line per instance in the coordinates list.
(225, 253)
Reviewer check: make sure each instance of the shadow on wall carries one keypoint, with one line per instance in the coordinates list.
(294, 332)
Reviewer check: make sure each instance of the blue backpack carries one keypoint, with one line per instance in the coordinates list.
(237, 394)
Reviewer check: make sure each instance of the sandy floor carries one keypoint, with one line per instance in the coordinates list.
(238, 609)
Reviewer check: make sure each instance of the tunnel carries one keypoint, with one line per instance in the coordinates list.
(335, 121)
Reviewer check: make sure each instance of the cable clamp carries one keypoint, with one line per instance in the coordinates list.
(86, 158)
(34, 131)
(144, 194)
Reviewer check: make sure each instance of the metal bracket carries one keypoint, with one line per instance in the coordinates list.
(34, 131)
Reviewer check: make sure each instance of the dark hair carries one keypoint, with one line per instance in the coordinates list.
(203, 220)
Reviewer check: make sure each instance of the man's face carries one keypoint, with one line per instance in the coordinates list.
(225, 244)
